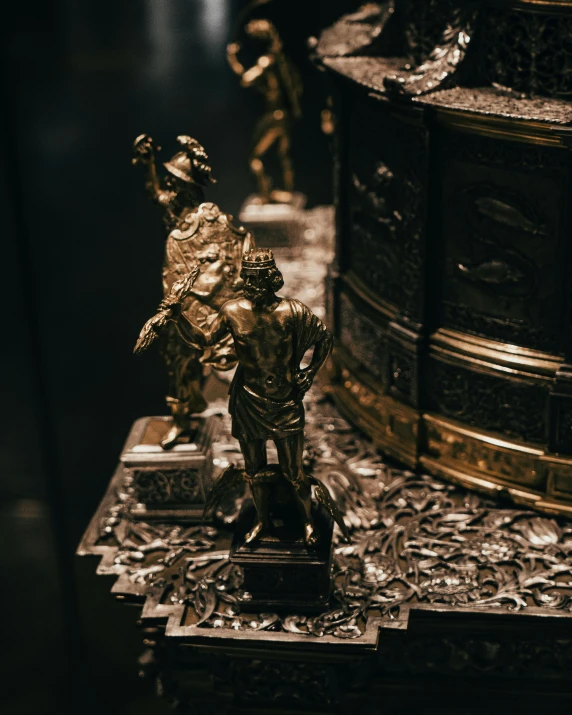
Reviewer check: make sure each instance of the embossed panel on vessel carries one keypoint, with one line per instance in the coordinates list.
(515, 408)
(387, 206)
(528, 51)
(363, 338)
(501, 208)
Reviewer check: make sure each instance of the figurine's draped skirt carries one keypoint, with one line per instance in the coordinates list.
(257, 417)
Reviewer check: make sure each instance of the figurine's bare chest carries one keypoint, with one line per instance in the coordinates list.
(265, 329)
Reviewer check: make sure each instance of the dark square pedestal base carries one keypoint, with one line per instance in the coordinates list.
(170, 485)
(275, 224)
(280, 571)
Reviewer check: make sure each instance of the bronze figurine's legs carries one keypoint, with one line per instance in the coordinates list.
(257, 165)
(254, 453)
(255, 459)
(180, 424)
(257, 168)
(290, 452)
(284, 154)
(191, 401)
(184, 397)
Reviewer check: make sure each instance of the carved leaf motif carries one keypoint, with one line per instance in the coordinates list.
(540, 532)
(438, 71)
(205, 602)
(414, 539)
(356, 33)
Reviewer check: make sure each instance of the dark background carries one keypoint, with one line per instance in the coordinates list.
(82, 251)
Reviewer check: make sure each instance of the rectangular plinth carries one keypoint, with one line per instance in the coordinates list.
(283, 574)
(274, 224)
(169, 484)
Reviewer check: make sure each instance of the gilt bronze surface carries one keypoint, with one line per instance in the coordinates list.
(270, 336)
(277, 79)
(199, 233)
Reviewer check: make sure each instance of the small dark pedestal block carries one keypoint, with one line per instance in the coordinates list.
(275, 224)
(280, 571)
(170, 485)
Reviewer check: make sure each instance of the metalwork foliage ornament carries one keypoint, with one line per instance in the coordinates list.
(529, 52)
(200, 234)
(439, 69)
(415, 540)
(434, 36)
(488, 402)
(357, 33)
(517, 50)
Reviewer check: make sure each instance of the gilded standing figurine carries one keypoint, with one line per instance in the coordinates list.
(271, 335)
(199, 233)
(277, 79)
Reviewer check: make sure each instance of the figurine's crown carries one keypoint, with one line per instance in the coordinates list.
(258, 259)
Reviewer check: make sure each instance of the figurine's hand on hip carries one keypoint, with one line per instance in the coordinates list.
(303, 379)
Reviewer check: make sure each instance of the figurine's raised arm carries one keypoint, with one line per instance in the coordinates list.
(144, 153)
(232, 50)
(251, 75)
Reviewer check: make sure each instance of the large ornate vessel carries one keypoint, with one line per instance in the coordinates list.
(451, 292)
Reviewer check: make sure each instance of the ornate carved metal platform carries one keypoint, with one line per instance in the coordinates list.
(450, 294)
(436, 582)
(444, 601)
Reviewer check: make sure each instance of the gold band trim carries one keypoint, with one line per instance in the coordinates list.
(521, 360)
(359, 288)
(511, 129)
(555, 6)
(491, 357)
(527, 474)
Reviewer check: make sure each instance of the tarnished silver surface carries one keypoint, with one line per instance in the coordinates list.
(304, 265)
(415, 540)
(371, 72)
(444, 60)
(356, 33)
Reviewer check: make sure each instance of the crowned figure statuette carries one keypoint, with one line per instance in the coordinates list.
(270, 336)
